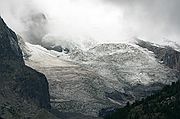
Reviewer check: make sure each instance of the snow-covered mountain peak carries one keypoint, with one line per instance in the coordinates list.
(104, 76)
(172, 44)
(163, 44)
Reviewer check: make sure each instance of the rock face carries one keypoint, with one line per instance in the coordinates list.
(167, 55)
(8, 44)
(172, 59)
(23, 90)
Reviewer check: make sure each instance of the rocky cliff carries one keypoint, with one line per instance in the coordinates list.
(9, 48)
(23, 91)
(167, 55)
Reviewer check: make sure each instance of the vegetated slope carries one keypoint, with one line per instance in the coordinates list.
(23, 91)
(164, 104)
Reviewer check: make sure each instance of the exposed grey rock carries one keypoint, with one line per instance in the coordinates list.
(8, 43)
(25, 50)
(23, 91)
(167, 55)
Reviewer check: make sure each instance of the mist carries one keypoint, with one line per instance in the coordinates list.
(88, 22)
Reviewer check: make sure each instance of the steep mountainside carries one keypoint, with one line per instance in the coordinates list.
(23, 91)
(8, 44)
(130, 69)
(167, 54)
(72, 87)
(164, 104)
(107, 75)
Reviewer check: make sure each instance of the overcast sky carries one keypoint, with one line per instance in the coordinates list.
(98, 20)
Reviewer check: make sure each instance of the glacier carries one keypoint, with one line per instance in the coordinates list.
(107, 75)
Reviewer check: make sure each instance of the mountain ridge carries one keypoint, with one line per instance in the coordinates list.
(121, 72)
(164, 104)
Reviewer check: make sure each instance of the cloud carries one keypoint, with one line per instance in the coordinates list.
(152, 18)
(13, 11)
(83, 19)
(78, 21)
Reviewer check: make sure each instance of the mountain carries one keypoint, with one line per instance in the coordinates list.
(167, 55)
(83, 82)
(164, 104)
(23, 90)
(105, 76)
(8, 44)
(72, 88)
(171, 44)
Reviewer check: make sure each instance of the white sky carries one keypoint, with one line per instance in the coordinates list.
(80, 20)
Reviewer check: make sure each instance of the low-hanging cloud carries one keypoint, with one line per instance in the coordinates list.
(78, 21)
(153, 19)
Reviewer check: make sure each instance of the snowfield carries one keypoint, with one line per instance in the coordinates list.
(107, 75)
(40, 56)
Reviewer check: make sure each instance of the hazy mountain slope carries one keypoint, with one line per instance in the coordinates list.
(39, 56)
(131, 63)
(172, 44)
(162, 105)
(129, 69)
(104, 76)
(167, 55)
(72, 88)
